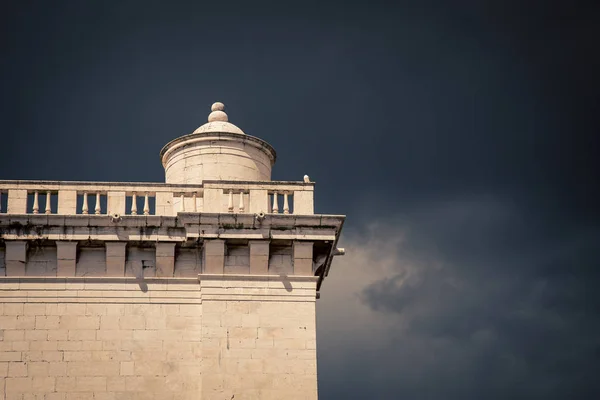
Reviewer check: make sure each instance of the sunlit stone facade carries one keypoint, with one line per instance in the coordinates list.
(203, 287)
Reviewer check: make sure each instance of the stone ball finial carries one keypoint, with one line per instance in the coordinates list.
(217, 113)
(218, 106)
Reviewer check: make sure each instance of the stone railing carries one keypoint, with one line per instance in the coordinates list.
(270, 197)
(107, 198)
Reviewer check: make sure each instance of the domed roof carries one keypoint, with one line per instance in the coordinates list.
(218, 121)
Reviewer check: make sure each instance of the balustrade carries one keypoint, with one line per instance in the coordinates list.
(39, 201)
(276, 197)
(186, 202)
(240, 201)
(267, 197)
(96, 199)
(143, 201)
(102, 198)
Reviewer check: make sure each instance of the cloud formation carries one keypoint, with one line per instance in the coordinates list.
(450, 302)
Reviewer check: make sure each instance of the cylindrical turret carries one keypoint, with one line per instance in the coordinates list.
(218, 150)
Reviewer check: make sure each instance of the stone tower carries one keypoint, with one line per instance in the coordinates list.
(203, 287)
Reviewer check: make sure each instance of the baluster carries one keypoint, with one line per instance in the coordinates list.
(146, 205)
(36, 204)
(182, 203)
(84, 207)
(286, 206)
(275, 205)
(241, 205)
(133, 204)
(230, 204)
(97, 210)
(48, 207)
(195, 206)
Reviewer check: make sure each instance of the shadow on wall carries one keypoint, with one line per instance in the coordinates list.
(286, 282)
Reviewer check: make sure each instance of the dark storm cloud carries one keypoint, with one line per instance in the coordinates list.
(468, 311)
(509, 305)
(459, 137)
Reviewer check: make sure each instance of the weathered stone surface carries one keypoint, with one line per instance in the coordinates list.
(83, 341)
(66, 258)
(115, 258)
(303, 258)
(165, 259)
(67, 202)
(15, 257)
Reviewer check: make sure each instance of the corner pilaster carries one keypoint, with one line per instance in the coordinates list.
(302, 258)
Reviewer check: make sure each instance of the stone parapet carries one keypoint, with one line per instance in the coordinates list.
(131, 198)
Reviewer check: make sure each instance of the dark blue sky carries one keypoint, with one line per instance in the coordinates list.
(460, 138)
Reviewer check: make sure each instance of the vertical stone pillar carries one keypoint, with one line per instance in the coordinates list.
(67, 202)
(165, 259)
(16, 257)
(213, 200)
(115, 258)
(66, 258)
(214, 256)
(115, 203)
(259, 201)
(17, 201)
(302, 258)
(304, 202)
(259, 257)
(164, 204)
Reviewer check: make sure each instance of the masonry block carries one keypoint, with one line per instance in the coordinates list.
(115, 258)
(66, 258)
(302, 258)
(259, 201)
(213, 200)
(304, 202)
(17, 201)
(164, 204)
(15, 257)
(303, 249)
(115, 202)
(214, 256)
(259, 257)
(67, 202)
(165, 259)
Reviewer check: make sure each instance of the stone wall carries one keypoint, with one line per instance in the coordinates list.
(202, 306)
(217, 337)
(258, 338)
(101, 339)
